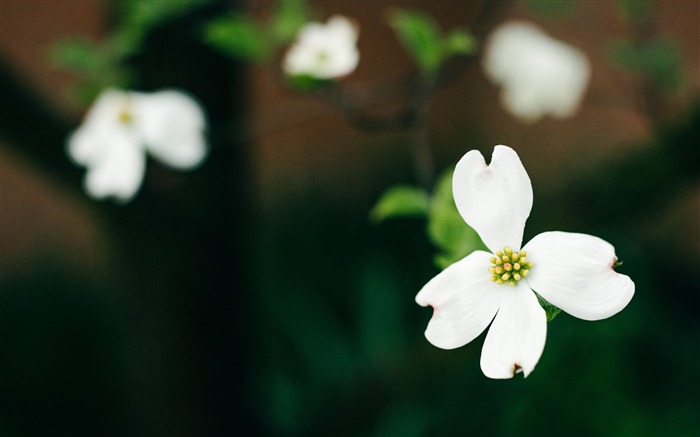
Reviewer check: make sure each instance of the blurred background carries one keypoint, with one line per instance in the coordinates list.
(254, 295)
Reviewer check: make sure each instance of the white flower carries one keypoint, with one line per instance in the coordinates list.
(122, 126)
(539, 75)
(324, 51)
(572, 271)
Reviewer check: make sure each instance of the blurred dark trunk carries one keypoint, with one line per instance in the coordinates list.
(181, 254)
(189, 236)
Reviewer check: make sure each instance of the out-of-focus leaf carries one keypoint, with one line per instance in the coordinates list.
(289, 16)
(459, 41)
(423, 40)
(549, 309)
(420, 36)
(401, 201)
(446, 227)
(658, 59)
(634, 10)
(96, 66)
(238, 36)
(127, 40)
(146, 14)
(552, 8)
(80, 55)
(306, 82)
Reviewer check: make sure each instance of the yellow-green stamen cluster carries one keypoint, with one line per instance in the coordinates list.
(125, 116)
(508, 267)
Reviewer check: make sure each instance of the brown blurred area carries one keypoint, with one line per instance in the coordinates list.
(300, 145)
(41, 216)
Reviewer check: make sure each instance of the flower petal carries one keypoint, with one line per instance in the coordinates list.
(516, 338)
(575, 272)
(494, 199)
(101, 122)
(119, 170)
(172, 125)
(464, 301)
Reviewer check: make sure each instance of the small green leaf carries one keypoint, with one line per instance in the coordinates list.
(552, 8)
(401, 201)
(420, 37)
(287, 19)
(423, 40)
(549, 309)
(80, 55)
(306, 82)
(446, 227)
(459, 41)
(658, 59)
(238, 36)
(95, 65)
(634, 10)
(146, 14)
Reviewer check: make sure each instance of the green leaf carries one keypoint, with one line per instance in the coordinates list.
(459, 41)
(401, 201)
(420, 37)
(658, 59)
(446, 227)
(423, 40)
(306, 82)
(80, 55)
(634, 10)
(146, 14)
(549, 309)
(287, 19)
(96, 66)
(238, 36)
(552, 8)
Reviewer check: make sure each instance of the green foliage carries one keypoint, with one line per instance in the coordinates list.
(238, 36)
(552, 8)
(246, 38)
(658, 59)
(306, 82)
(139, 18)
(548, 308)
(401, 201)
(634, 10)
(288, 18)
(147, 14)
(423, 40)
(446, 227)
(100, 65)
(97, 66)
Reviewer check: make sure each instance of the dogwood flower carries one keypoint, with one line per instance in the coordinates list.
(324, 51)
(572, 271)
(539, 75)
(122, 126)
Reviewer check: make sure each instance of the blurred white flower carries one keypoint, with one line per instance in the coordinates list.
(572, 271)
(539, 75)
(122, 126)
(324, 51)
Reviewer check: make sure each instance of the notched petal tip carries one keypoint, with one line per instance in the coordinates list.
(517, 369)
(495, 199)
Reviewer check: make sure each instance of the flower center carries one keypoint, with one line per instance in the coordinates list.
(508, 267)
(125, 116)
(322, 57)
